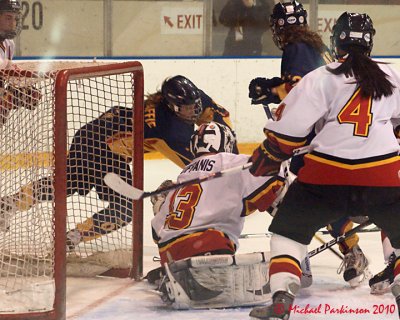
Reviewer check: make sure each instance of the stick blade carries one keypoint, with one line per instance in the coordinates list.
(116, 183)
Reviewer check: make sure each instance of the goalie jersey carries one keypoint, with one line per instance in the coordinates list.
(354, 142)
(208, 217)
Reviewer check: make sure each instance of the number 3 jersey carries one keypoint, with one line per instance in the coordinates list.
(354, 143)
(219, 204)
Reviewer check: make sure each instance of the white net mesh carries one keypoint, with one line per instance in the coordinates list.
(100, 139)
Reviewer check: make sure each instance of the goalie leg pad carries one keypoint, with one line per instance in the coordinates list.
(218, 281)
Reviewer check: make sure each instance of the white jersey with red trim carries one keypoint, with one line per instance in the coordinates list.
(353, 134)
(7, 50)
(219, 204)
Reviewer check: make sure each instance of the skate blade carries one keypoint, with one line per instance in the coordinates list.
(380, 287)
(361, 279)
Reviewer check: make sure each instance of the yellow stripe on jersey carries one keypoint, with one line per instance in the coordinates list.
(267, 192)
(25, 160)
(155, 144)
(281, 91)
(352, 166)
(295, 143)
(44, 159)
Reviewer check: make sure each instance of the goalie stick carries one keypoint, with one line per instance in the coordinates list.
(116, 183)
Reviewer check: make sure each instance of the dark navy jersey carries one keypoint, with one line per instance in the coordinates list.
(298, 59)
(163, 132)
(170, 135)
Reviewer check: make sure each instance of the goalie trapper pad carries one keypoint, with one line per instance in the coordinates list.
(217, 281)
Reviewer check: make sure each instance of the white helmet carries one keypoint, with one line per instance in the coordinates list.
(212, 137)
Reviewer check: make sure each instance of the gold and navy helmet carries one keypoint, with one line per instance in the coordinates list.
(182, 97)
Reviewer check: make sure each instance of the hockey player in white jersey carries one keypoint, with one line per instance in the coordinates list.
(353, 164)
(205, 219)
(11, 96)
(10, 26)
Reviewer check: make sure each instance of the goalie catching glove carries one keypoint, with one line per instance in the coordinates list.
(260, 90)
(158, 199)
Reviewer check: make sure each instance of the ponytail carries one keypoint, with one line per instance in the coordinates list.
(372, 81)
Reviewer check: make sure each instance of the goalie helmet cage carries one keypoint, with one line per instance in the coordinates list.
(50, 102)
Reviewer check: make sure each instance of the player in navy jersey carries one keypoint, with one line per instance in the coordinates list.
(106, 145)
(168, 128)
(302, 52)
(352, 165)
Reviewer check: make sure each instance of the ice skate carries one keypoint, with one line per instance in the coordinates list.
(396, 292)
(279, 309)
(155, 276)
(355, 267)
(7, 211)
(73, 239)
(380, 283)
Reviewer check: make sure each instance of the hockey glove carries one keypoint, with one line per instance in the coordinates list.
(264, 162)
(260, 90)
(27, 97)
(158, 199)
(14, 98)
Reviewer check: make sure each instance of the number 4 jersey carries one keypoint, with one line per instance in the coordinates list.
(214, 209)
(354, 143)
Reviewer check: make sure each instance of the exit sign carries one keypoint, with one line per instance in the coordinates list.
(185, 20)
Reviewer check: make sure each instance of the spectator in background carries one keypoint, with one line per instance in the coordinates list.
(12, 97)
(247, 20)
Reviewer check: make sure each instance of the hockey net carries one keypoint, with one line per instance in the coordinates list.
(43, 105)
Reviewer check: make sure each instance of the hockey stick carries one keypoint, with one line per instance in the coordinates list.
(268, 111)
(115, 182)
(334, 251)
(339, 239)
(323, 232)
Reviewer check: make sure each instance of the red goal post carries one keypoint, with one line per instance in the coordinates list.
(43, 105)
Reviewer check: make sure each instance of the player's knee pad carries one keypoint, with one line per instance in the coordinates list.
(217, 281)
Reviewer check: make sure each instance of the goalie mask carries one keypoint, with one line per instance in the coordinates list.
(352, 29)
(284, 15)
(183, 97)
(10, 19)
(212, 138)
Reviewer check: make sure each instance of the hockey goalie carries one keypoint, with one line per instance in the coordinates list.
(197, 228)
